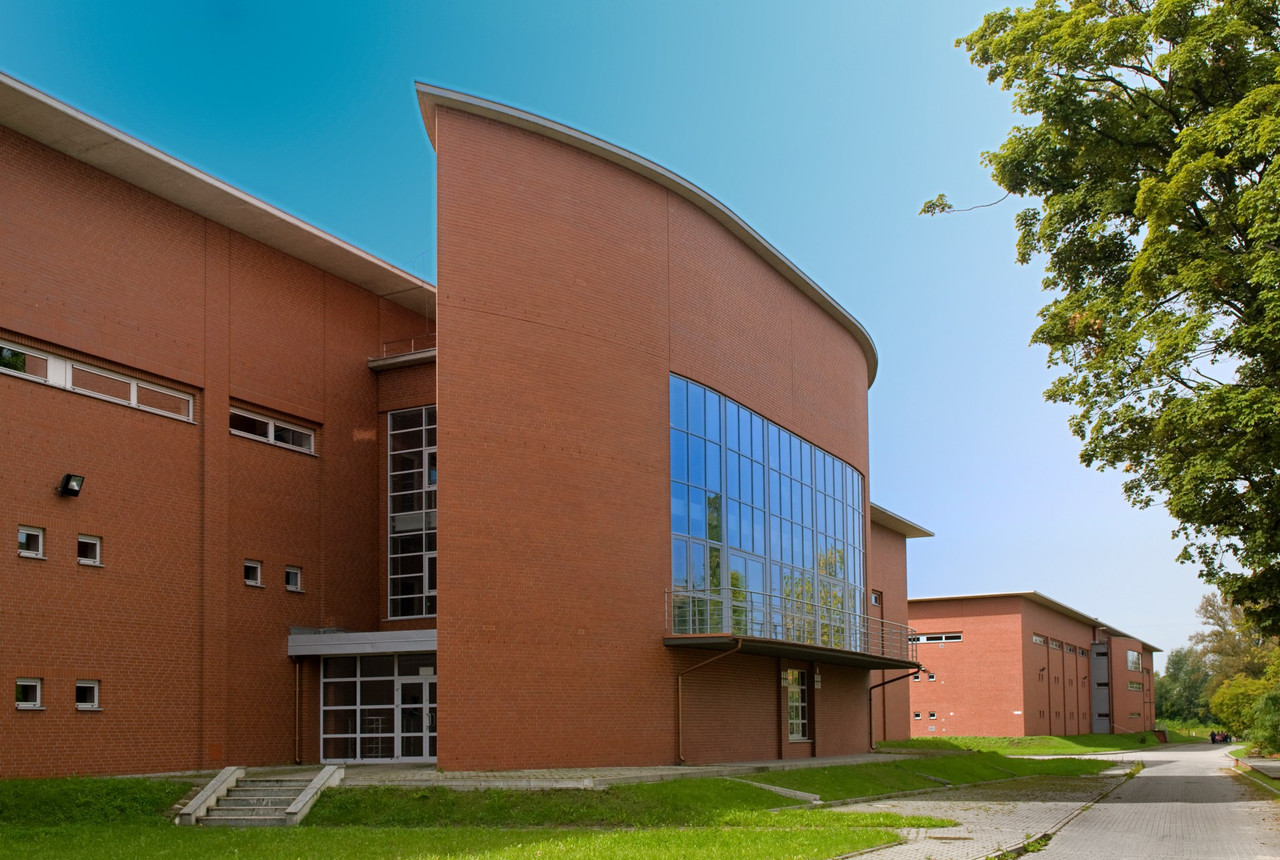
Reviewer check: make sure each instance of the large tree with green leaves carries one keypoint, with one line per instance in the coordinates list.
(1158, 217)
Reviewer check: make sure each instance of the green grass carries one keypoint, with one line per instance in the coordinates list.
(1035, 745)
(844, 782)
(712, 818)
(36, 802)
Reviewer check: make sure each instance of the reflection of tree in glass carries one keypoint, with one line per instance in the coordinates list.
(11, 359)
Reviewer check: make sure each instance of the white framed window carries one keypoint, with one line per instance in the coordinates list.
(87, 696)
(1055, 644)
(933, 715)
(1135, 686)
(877, 598)
(293, 578)
(272, 431)
(1135, 661)
(797, 684)
(30, 542)
(89, 550)
(27, 694)
(253, 572)
(915, 677)
(85, 379)
(915, 715)
(932, 677)
(1037, 639)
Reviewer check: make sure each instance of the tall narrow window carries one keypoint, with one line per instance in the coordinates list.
(411, 513)
(797, 684)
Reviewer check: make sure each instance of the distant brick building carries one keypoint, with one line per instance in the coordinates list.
(652, 530)
(1010, 665)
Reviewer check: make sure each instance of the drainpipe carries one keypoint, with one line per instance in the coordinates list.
(871, 722)
(680, 695)
(297, 709)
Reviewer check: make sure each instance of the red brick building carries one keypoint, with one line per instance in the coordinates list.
(653, 534)
(1009, 665)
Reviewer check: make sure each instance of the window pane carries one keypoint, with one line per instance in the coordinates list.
(732, 522)
(379, 666)
(406, 440)
(162, 401)
(339, 667)
(713, 467)
(697, 566)
(697, 404)
(250, 425)
(713, 416)
(714, 519)
(678, 400)
(697, 513)
(679, 563)
(679, 508)
(679, 456)
(731, 425)
(406, 420)
(697, 467)
(757, 531)
(108, 386)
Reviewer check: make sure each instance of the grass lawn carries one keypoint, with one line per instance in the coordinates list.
(1037, 745)
(712, 818)
(840, 783)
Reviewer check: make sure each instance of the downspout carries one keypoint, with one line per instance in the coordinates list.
(680, 696)
(297, 709)
(871, 722)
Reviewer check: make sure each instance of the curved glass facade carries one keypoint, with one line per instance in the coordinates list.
(766, 528)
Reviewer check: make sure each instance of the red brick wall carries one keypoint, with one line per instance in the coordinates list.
(192, 663)
(569, 289)
(887, 573)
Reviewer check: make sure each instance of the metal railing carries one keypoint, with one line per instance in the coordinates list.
(413, 344)
(737, 612)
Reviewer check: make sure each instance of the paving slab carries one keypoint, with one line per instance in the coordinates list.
(992, 817)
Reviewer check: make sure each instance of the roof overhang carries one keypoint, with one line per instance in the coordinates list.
(890, 520)
(59, 126)
(1042, 600)
(786, 650)
(431, 98)
(307, 643)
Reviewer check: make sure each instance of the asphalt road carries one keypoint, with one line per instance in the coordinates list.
(1184, 804)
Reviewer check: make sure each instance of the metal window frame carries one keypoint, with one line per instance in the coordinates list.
(38, 531)
(270, 438)
(428, 596)
(38, 704)
(86, 684)
(96, 541)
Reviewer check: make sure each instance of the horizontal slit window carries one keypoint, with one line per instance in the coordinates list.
(272, 431)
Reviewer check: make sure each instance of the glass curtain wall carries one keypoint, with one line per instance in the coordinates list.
(767, 529)
(411, 511)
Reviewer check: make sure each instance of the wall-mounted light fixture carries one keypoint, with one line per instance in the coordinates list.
(70, 485)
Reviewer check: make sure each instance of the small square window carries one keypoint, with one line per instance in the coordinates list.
(27, 693)
(933, 715)
(253, 573)
(293, 578)
(86, 695)
(876, 598)
(915, 677)
(89, 550)
(932, 677)
(30, 542)
(915, 715)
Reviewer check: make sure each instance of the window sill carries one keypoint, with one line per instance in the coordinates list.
(86, 708)
(90, 563)
(28, 707)
(31, 555)
(801, 740)
(294, 590)
(254, 584)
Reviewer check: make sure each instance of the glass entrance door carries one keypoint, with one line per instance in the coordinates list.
(378, 707)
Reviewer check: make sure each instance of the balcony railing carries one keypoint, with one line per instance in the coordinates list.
(408, 345)
(755, 615)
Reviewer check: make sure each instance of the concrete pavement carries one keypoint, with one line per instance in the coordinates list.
(1183, 804)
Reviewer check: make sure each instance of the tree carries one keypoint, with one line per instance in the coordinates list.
(1234, 703)
(1158, 216)
(1182, 691)
(1230, 643)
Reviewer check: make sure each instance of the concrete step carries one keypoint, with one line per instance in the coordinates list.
(243, 821)
(276, 783)
(221, 811)
(253, 802)
(255, 791)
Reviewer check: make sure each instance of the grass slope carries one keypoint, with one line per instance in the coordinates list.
(1035, 745)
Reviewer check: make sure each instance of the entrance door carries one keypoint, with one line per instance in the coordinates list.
(378, 707)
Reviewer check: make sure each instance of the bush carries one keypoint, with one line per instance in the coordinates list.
(1265, 733)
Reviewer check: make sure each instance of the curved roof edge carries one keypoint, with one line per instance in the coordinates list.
(59, 126)
(1046, 601)
(430, 97)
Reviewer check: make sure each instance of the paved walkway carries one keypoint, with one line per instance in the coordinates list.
(1182, 805)
(993, 817)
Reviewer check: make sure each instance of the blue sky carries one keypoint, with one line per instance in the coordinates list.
(824, 125)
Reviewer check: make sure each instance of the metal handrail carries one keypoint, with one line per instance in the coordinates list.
(738, 612)
(408, 345)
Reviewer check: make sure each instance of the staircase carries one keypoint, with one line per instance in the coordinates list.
(267, 800)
